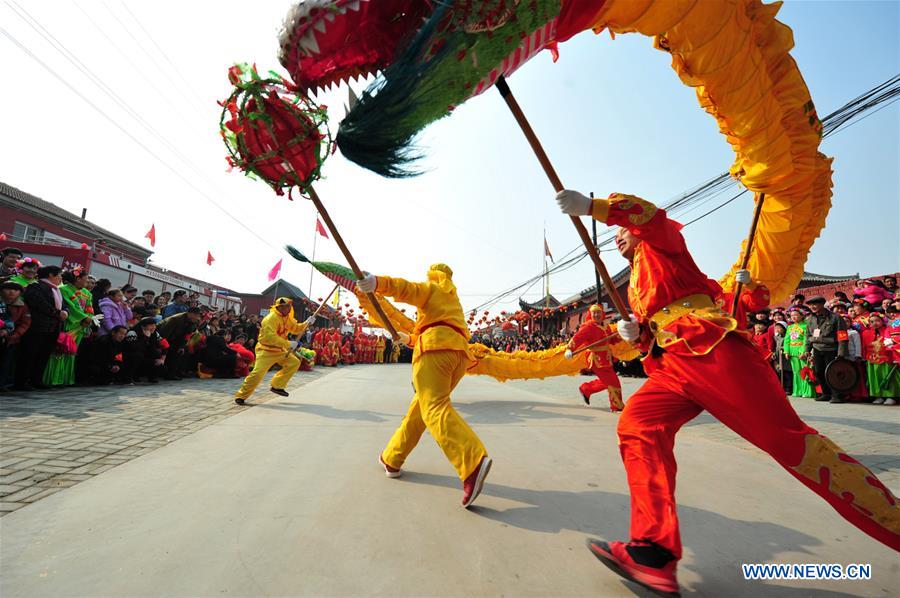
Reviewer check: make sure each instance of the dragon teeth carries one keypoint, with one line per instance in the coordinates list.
(352, 6)
(320, 26)
(309, 44)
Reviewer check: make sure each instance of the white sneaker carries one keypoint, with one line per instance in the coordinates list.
(388, 470)
(878, 401)
(890, 401)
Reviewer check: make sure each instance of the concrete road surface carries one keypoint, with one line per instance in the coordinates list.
(287, 499)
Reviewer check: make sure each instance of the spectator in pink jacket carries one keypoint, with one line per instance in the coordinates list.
(872, 291)
(115, 311)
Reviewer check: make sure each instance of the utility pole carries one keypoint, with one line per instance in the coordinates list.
(594, 231)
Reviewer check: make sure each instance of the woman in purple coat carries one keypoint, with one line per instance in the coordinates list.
(115, 311)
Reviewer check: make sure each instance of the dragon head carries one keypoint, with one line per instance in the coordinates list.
(432, 56)
(327, 42)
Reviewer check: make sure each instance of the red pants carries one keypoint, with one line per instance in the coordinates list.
(606, 379)
(739, 389)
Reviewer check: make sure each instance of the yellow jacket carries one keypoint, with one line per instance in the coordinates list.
(274, 330)
(440, 325)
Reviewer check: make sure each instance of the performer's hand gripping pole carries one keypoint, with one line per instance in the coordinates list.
(603, 341)
(538, 150)
(745, 260)
(353, 265)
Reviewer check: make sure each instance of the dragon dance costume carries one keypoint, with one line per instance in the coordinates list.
(698, 361)
(273, 347)
(596, 335)
(440, 360)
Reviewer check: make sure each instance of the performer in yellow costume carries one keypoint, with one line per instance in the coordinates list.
(440, 341)
(379, 349)
(273, 347)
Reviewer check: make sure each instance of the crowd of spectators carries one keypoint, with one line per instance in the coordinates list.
(63, 327)
(804, 338)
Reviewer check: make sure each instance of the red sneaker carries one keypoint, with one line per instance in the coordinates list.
(389, 471)
(656, 574)
(474, 483)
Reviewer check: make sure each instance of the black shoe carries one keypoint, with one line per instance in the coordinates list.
(587, 399)
(821, 398)
(239, 401)
(23, 388)
(836, 400)
(153, 380)
(280, 391)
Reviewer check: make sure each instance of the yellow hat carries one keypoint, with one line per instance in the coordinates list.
(442, 268)
(283, 301)
(595, 308)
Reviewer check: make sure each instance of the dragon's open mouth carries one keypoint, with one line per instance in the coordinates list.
(326, 42)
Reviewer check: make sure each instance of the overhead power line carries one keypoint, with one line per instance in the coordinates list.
(853, 112)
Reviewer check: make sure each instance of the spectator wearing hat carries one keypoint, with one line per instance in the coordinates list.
(148, 296)
(826, 340)
(27, 271)
(78, 303)
(179, 305)
(877, 344)
(176, 330)
(10, 257)
(145, 353)
(780, 359)
(16, 320)
(45, 303)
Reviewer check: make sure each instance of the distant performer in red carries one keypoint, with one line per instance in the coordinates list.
(596, 337)
(697, 360)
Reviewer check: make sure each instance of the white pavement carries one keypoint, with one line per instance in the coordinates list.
(287, 499)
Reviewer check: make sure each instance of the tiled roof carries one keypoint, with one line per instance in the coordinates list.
(285, 288)
(540, 304)
(812, 277)
(42, 206)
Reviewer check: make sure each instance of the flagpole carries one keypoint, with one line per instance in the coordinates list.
(315, 238)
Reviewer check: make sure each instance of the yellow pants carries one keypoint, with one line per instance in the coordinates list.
(289, 363)
(435, 375)
(379, 356)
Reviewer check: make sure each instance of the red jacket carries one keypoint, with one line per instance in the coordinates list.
(21, 317)
(664, 275)
(589, 333)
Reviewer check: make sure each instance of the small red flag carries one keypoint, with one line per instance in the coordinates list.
(151, 234)
(273, 273)
(209, 258)
(321, 229)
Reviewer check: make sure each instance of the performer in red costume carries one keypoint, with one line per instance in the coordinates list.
(697, 360)
(596, 336)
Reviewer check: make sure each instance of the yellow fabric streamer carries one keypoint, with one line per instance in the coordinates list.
(519, 365)
(736, 56)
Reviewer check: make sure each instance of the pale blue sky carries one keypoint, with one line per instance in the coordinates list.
(612, 115)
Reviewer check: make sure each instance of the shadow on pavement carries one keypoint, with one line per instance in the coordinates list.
(330, 412)
(884, 427)
(605, 515)
(515, 412)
